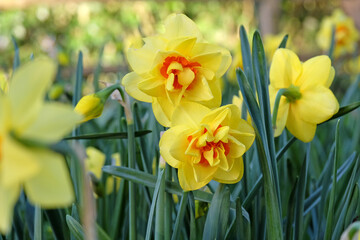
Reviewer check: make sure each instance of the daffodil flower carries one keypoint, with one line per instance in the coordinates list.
(306, 100)
(175, 66)
(346, 34)
(27, 126)
(95, 161)
(206, 144)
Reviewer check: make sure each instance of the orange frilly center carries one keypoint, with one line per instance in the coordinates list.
(208, 148)
(178, 72)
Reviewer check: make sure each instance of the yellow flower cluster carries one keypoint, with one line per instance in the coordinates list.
(27, 126)
(346, 34)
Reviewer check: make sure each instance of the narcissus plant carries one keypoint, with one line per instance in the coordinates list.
(302, 93)
(206, 144)
(175, 66)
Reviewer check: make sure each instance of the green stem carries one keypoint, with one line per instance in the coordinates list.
(160, 213)
(279, 94)
(37, 223)
(131, 164)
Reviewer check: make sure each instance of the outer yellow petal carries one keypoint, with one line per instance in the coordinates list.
(187, 179)
(317, 105)
(217, 116)
(130, 82)
(216, 92)
(53, 122)
(179, 25)
(285, 68)
(140, 60)
(173, 144)
(190, 114)
(207, 48)
(27, 90)
(163, 110)
(183, 45)
(18, 163)
(8, 198)
(51, 187)
(154, 87)
(301, 129)
(233, 175)
(316, 72)
(210, 61)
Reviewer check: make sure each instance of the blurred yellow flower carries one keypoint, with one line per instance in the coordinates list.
(3, 82)
(308, 100)
(94, 163)
(56, 90)
(271, 43)
(175, 66)
(346, 34)
(27, 125)
(206, 144)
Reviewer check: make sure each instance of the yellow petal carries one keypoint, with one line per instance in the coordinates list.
(317, 105)
(203, 173)
(14, 157)
(163, 110)
(215, 89)
(316, 71)
(233, 175)
(179, 25)
(285, 68)
(182, 45)
(130, 82)
(51, 187)
(95, 161)
(189, 113)
(8, 198)
(301, 129)
(27, 90)
(187, 178)
(141, 59)
(153, 87)
(216, 117)
(331, 78)
(199, 91)
(207, 48)
(236, 148)
(173, 144)
(210, 61)
(53, 122)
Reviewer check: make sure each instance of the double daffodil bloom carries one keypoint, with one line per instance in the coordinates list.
(307, 99)
(346, 34)
(95, 161)
(27, 126)
(177, 65)
(206, 144)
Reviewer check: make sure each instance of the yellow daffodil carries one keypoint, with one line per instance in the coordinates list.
(307, 99)
(271, 43)
(346, 34)
(174, 66)
(27, 125)
(206, 144)
(94, 163)
(3, 82)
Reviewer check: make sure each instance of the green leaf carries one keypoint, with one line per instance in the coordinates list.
(284, 41)
(57, 220)
(180, 216)
(153, 204)
(332, 43)
(16, 62)
(242, 230)
(115, 135)
(291, 211)
(75, 228)
(78, 87)
(246, 57)
(300, 197)
(330, 214)
(218, 214)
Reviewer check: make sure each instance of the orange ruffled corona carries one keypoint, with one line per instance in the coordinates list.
(176, 66)
(206, 144)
